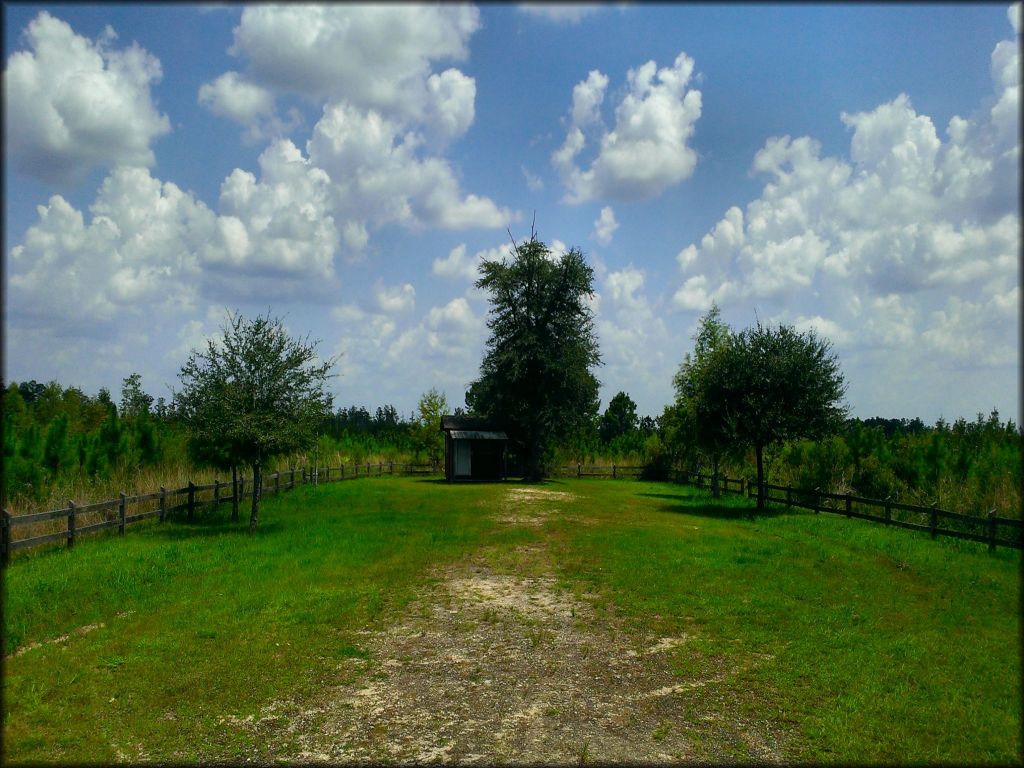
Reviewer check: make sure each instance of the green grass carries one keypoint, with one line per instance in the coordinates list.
(863, 643)
(202, 621)
(875, 645)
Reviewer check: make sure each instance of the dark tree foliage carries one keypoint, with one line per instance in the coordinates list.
(31, 391)
(253, 394)
(535, 378)
(618, 419)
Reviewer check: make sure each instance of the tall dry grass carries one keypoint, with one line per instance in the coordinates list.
(173, 474)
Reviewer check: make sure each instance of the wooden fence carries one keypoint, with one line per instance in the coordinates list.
(117, 513)
(990, 529)
(615, 471)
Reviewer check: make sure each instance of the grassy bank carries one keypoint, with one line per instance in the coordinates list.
(859, 642)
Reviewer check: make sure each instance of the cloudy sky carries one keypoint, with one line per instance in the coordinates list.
(853, 169)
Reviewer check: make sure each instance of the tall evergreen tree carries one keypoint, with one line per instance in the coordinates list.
(535, 378)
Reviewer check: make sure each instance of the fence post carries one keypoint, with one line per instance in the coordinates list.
(293, 479)
(742, 483)
(789, 496)
(5, 543)
(613, 471)
(71, 524)
(216, 492)
(849, 505)
(277, 482)
(191, 500)
(817, 500)
(888, 509)
(992, 530)
(163, 503)
(934, 518)
(120, 515)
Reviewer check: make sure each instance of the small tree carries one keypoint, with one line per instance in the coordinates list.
(781, 385)
(134, 402)
(429, 438)
(535, 377)
(253, 394)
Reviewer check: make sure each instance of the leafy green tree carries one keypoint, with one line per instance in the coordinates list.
(254, 393)
(429, 438)
(535, 378)
(134, 402)
(780, 385)
(706, 412)
(618, 419)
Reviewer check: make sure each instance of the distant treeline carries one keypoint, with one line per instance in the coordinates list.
(61, 437)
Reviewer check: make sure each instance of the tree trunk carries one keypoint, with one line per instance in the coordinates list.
(234, 493)
(760, 477)
(533, 469)
(257, 489)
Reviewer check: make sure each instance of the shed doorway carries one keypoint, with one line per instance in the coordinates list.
(463, 467)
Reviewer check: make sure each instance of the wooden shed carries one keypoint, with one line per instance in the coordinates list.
(473, 449)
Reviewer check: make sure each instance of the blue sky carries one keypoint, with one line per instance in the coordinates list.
(848, 168)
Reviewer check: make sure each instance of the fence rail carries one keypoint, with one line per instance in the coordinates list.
(81, 519)
(990, 529)
(615, 471)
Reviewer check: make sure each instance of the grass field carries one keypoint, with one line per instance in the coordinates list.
(862, 644)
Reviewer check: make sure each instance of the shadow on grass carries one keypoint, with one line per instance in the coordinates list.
(443, 481)
(703, 507)
(180, 529)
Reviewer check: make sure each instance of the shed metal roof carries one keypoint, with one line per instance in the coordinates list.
(467, 434)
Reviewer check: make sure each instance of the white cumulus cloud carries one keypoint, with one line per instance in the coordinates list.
(605, 226)
(560, 13)
(381, 175)
(72, 104)
(279, 225)
(377, 57)
(139, 254)
(647, 150)
(910, 247)
(394, 299)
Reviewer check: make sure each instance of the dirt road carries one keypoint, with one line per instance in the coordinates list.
(495, 664)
